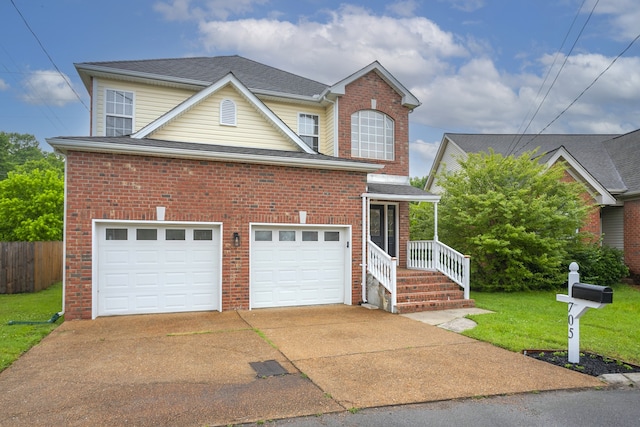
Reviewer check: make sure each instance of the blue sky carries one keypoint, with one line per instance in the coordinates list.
(478, 66)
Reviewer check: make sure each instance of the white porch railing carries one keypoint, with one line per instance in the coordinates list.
(434, 255)
(383, 268)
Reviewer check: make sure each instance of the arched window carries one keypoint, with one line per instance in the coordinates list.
(227, 112)
(372, 135)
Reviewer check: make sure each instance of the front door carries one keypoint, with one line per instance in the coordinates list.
(382, 227)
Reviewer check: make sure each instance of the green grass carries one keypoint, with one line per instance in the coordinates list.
(39, 306)
(535, 320)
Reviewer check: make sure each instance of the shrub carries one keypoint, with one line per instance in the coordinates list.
(599, 264)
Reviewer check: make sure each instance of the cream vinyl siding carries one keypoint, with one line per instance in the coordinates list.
(288, 113)
(150, 102)
(449, 163)
(328, 146)
(201, 124)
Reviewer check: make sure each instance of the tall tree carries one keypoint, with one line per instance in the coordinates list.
(16, 149)
(514, 217)
(32, 202)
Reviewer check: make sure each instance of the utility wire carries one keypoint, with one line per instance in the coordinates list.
(513, 147)
(591, 84)
(64, 77)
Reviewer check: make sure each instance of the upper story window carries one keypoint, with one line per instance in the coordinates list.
(308, 129)
(119, 112)
(372, 135)
(227, 112)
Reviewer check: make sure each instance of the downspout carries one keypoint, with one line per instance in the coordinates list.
(64, 240)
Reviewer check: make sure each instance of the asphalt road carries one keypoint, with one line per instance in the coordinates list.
(610, 407)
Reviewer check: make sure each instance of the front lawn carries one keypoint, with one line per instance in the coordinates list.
(535, 320)
(38, 307)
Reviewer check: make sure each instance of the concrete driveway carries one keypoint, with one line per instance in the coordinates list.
(196, 368)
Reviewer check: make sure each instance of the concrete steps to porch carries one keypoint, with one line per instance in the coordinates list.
(419, 290)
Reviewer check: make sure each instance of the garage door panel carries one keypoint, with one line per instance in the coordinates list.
(158, 276)
(304, 270)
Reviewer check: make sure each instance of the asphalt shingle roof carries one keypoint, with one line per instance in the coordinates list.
(589, 150)
(254, 75)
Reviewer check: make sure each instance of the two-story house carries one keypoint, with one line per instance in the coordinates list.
(220, 183)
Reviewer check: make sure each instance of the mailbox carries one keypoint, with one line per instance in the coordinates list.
(595, 293)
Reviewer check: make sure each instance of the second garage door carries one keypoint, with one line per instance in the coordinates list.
(294, 266)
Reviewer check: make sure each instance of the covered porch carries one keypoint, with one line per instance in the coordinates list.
(400, 275)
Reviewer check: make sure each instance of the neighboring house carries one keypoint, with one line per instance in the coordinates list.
(222, 183)
(607, 165)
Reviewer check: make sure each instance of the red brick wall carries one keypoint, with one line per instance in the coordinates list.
(632, 237)
(358, 96)
(592, 221)
(110, 186)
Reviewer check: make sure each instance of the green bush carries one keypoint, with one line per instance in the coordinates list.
(599, 264)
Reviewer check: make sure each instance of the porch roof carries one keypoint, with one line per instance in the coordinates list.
(399, 192)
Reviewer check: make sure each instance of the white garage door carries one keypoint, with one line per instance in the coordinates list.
(151, 268)
(297, 266)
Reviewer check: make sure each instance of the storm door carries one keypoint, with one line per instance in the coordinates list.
(382, 227)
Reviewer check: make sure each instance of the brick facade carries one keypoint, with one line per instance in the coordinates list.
(358, 96)
(129, 187)
(124, 187)
(632, 237)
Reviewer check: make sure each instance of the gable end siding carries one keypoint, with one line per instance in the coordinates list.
(151, 102)
(201, 124)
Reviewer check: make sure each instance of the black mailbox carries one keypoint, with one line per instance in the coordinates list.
(599, 294)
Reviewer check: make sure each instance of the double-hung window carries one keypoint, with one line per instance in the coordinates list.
(308, 129)
(118, 112)
(372, 135)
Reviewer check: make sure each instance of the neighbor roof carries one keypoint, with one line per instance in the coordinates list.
(204, 71)
(589, 150)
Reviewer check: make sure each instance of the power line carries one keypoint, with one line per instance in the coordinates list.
(513, 147)
(64, 77)
(591, 84)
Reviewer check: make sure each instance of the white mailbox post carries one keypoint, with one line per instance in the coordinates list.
(581, 297)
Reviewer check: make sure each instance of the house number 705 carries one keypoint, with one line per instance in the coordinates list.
(570, 319)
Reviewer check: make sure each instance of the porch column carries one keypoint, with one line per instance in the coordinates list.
(435, 221)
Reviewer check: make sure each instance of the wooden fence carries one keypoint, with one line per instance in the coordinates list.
(29, 266)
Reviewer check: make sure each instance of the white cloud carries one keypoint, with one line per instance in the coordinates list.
(624, 16)
(327, 51)
(404, 8)
(455, 77)
(44, 87)
(3, 85)
(466, 5)
(185, 10)
(422, 154)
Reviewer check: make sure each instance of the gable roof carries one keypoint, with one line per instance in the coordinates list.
(229, 79)
(624, 151)
(588, 150)
(408, 100)
(204, 71)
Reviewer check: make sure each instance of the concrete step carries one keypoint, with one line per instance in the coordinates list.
(430, 296)
(414, 307)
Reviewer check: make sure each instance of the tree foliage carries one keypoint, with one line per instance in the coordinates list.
(31, 190)
(17, 149)
(515, 217)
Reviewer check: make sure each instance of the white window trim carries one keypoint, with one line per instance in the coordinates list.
(133, 109)
(302, 113)
(358, 153)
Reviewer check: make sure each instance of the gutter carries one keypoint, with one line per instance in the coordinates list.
(64, 145)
